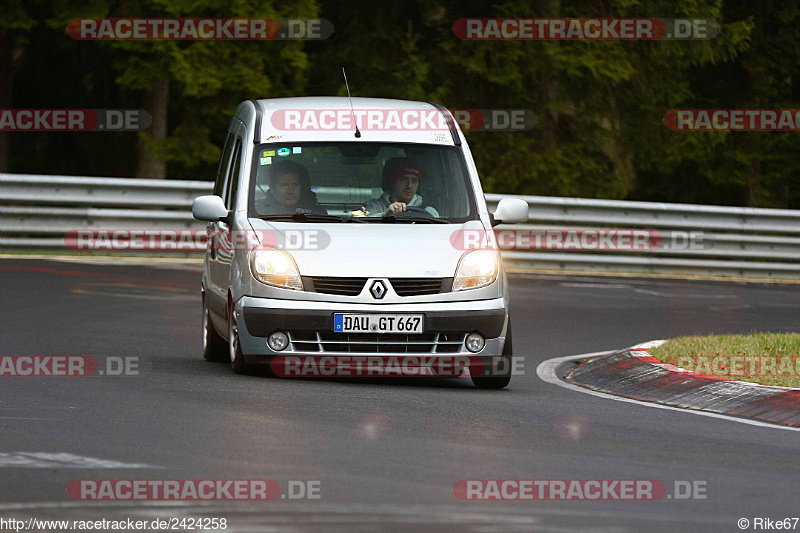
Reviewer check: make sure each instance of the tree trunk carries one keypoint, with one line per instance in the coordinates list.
(549, 87)
(5, 99)
(751, 189)
(156, 102)
(620, 155)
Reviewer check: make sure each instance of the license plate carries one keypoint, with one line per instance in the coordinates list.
(355, 323)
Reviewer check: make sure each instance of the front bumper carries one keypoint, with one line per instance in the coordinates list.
(259, 317)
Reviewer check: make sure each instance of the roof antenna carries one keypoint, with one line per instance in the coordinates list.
(358, 133)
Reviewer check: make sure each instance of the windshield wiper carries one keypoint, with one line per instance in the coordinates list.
(303, 216)
(393, 219)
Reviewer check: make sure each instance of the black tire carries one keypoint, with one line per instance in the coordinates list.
(502, 380)
(215, 348)
(235, 353)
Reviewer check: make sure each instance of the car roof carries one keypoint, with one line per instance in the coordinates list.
(338, 102)
(275, 127)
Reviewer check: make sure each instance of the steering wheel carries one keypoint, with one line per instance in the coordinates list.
(414, 210)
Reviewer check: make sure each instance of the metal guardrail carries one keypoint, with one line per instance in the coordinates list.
(733, 241)
(37, 211)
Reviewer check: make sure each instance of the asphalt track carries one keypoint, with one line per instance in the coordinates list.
(387, 452)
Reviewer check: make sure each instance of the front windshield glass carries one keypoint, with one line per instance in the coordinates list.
(365, 180)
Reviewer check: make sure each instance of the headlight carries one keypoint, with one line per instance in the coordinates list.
(476, 269)
(275, 267)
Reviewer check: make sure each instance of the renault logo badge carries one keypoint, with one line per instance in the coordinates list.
(378, 290)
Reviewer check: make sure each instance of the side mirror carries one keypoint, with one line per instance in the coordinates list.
(510, 211)
(209, 208)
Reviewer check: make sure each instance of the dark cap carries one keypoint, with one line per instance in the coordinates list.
(396, 167)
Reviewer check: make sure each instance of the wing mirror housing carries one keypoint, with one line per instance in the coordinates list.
(210, 208)
(510, 211)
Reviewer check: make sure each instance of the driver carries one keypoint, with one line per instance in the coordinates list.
(289, 191)
(401, 179)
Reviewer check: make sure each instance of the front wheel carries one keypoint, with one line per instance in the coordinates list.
(234, 346)
(499, 378)
(214, 347)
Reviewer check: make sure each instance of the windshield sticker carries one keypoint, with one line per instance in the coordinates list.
(283, 152)
(268, 153)
(266, 161)
(297, 150)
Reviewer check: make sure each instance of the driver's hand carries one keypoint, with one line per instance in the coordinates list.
(396, 207)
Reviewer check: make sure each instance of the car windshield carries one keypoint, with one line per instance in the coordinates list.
(375, 182)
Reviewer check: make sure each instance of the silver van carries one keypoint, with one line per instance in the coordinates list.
(335, 231)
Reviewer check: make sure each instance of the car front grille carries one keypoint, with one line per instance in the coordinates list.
(340, 286)
(416, 286)
(327, 342)
(353, 286)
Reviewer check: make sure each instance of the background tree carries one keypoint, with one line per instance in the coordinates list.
(600, 104)
(202, 81)
(15, 26)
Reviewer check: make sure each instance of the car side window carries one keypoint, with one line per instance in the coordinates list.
(233, 176)
(224, 165)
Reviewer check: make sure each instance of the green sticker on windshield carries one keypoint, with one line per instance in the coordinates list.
(266, 161)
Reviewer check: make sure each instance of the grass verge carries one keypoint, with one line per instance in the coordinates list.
(765, 358)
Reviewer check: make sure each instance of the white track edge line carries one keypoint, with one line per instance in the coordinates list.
(546, 372)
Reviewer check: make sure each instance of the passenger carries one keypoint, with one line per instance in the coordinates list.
(401, 179)
(289, 191)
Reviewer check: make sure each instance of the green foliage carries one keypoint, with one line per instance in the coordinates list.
(16, 17)
(760, 357)
(207, 79)
(600, 104)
